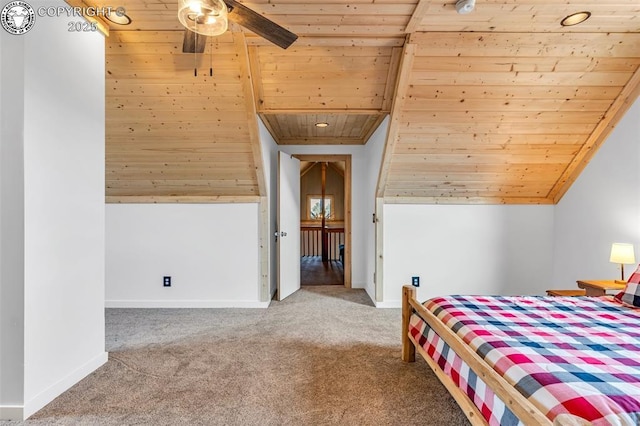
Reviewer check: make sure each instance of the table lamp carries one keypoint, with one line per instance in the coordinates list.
(622, 253)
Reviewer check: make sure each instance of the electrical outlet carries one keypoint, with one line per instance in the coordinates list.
(166, 281)
(415, 281)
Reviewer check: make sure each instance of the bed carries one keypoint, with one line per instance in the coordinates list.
(530, 360)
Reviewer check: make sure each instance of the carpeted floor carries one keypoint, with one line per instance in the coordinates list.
(324, 356)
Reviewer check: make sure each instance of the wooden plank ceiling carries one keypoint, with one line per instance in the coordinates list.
(503, 105)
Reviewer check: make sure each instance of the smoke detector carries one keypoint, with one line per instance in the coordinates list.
(465, 6)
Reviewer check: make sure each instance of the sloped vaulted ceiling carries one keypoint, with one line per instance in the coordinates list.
(503, 105)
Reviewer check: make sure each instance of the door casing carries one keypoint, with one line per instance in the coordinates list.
(347, 203)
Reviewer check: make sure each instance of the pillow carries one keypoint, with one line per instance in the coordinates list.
(631, 293)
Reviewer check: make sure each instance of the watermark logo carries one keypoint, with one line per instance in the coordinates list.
(17, 17)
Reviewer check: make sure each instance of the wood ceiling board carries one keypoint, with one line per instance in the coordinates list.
(529, 104)
(160, 190)
(168, 144)
(320, 141)
(496, 117)
(184, 199)
(372, 19)
(306, 85)
(193, 142)
(343, 129)
(507, 91)
(499, 105)
(174, 62)
(477, 139)
(477, 177)
(392, 76)
(510, 149)
(442, 44)
(172, 103)
(400, 95)
(526, 64)
(462, 93)
(148, 88)
(554, 78)
(149, 38)
(523, 128)
(326, 41)
(533, 16)
(401, 172)
(321, 78)
(620, 106)
(462, 197)
(250, 111)
(417, 16)
(466, 200)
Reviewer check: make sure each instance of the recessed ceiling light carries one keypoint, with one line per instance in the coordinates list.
(119, 18)
(322, 124)
(465, 6)
(575, 19)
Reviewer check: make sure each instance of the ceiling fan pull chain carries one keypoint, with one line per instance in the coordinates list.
(195, 53)
(210, 56)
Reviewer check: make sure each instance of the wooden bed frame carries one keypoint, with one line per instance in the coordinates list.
(513, 399)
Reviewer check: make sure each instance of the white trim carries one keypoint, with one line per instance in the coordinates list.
(11, 412)
(389, 304)
(185, 304)
(53, 391)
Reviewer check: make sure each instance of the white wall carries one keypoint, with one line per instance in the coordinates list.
(600, 208)
(63, 156)
(209, 250)
(11, 226)
(373, 159)
(466, 249)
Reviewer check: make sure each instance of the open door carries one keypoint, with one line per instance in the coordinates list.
(288, 225)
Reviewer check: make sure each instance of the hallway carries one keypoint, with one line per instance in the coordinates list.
(314, 272)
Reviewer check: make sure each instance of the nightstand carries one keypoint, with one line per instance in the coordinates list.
(566, 293)
(596, 288)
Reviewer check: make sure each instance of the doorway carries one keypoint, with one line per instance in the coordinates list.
(325, 219)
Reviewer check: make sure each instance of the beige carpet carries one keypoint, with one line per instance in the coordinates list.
(324, 356)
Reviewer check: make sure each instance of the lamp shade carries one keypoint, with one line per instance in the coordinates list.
(622, 253)
(206, 17)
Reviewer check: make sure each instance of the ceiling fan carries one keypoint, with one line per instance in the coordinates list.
(210, 18)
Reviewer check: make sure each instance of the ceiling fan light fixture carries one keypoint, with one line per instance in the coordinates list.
(206, 17)
(575, 19)
(195, 7)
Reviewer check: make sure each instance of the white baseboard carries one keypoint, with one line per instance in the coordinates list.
(389, 304)
(11, 412)
(53, 391)
(186, 304)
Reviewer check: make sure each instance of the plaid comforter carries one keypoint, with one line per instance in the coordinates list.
(568, 355)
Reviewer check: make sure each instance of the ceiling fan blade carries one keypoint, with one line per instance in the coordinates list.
(260, 25)
(192, 43)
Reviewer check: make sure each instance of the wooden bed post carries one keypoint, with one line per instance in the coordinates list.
(408, 349)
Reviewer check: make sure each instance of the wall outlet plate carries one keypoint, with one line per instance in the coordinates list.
(415, 281)
(166, 281)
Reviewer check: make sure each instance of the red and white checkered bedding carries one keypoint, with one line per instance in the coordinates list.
(570, 356)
